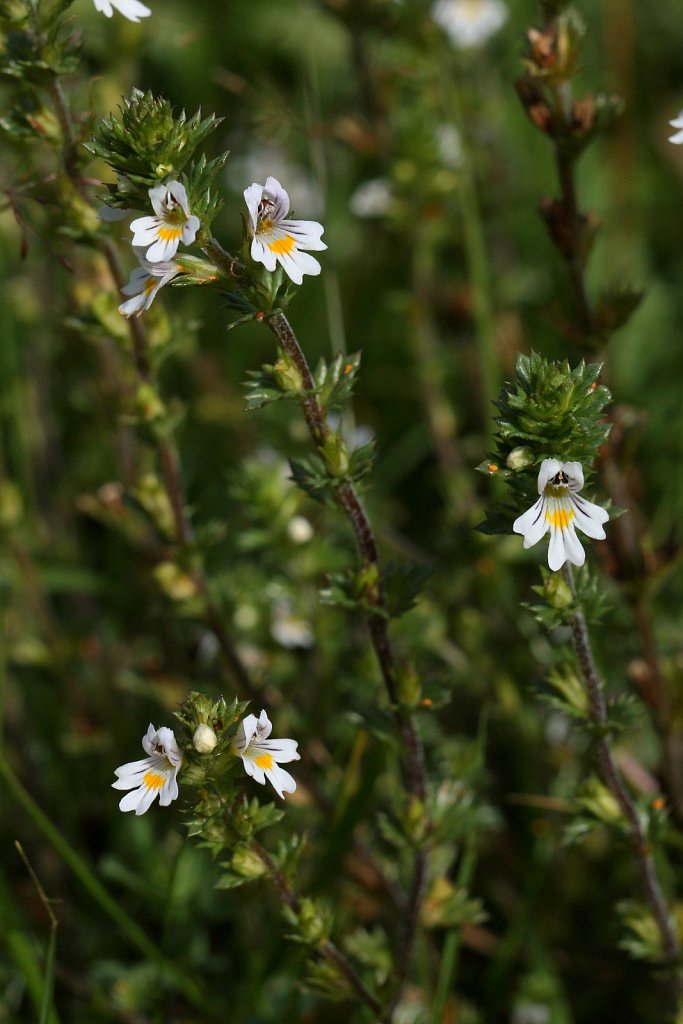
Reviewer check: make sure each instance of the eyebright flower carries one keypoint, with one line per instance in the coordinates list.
(677, 137)
(145, 281)
(469, 23)
(560, 510)
(154, 776)
(262, 757)
(131, 9)
(173, 223)
(277, 240)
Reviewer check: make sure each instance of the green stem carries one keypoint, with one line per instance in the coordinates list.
(453, 942)
(477, 257)
(132, 932)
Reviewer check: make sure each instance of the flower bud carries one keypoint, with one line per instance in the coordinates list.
(335, 455)
(408, 686)
(287, 376)
(175, 583)
(204, 739)
(148, 405)
(519, 458)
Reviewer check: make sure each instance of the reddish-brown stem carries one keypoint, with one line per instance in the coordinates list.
(613, 778)
(327, 949)
(379, 634)
(167, 453)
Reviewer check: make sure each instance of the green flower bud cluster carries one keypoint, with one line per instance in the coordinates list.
(550, 411)
(149, 144)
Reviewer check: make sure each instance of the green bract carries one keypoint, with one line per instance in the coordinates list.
(149, 143)
(548, 412)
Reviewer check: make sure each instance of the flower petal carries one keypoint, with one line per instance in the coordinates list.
(281, 781)
(556, 553)
(549, 468)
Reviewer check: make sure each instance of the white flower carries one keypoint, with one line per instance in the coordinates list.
(173, 223)
(372, 198)
(154, 776)
(449, 145)
(560, 510)
(276, 239)
(469, 22)
(677, 137)
(131, 9)
(262, 757)
(145, 281)
(288, 629)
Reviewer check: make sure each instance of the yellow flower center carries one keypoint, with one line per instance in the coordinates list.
(169, 234)
(153, 781)
(282, 246)
(560, 518)
(264, 761)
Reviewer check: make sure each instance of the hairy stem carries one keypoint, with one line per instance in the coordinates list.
(166, 449)
(613, 779)
(326, 949)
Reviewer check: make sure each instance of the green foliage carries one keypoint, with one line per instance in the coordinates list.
(148, 144)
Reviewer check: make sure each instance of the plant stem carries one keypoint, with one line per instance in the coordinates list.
(166, 450)
(327, 949)
(476, 255)
(572, 254)
(378, 628)
(613, 778)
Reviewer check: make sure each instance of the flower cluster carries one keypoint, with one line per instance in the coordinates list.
(155, 241)
(156, 774)
(561, 510)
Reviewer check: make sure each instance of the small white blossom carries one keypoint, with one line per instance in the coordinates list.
(677, 123)
(469, 23)
(131, 9)
(161, 235)
(144, 283)
(276, 239)
(288, 629)
(372, 198)
(262, 757)
(560, 510)
(300, 530)
(449, 145)
(156, 775)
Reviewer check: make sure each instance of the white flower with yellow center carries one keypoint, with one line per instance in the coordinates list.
(262, 757)
(677, 123)
(469, 23)
(161, 235)
(276, 239)
(144, 283)
(561, 510)
(154, 776)
(131, 9)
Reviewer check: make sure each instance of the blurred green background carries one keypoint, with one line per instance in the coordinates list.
(328, 97)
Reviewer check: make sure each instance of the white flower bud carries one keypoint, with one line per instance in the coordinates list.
(300, 530)
(204, 739)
